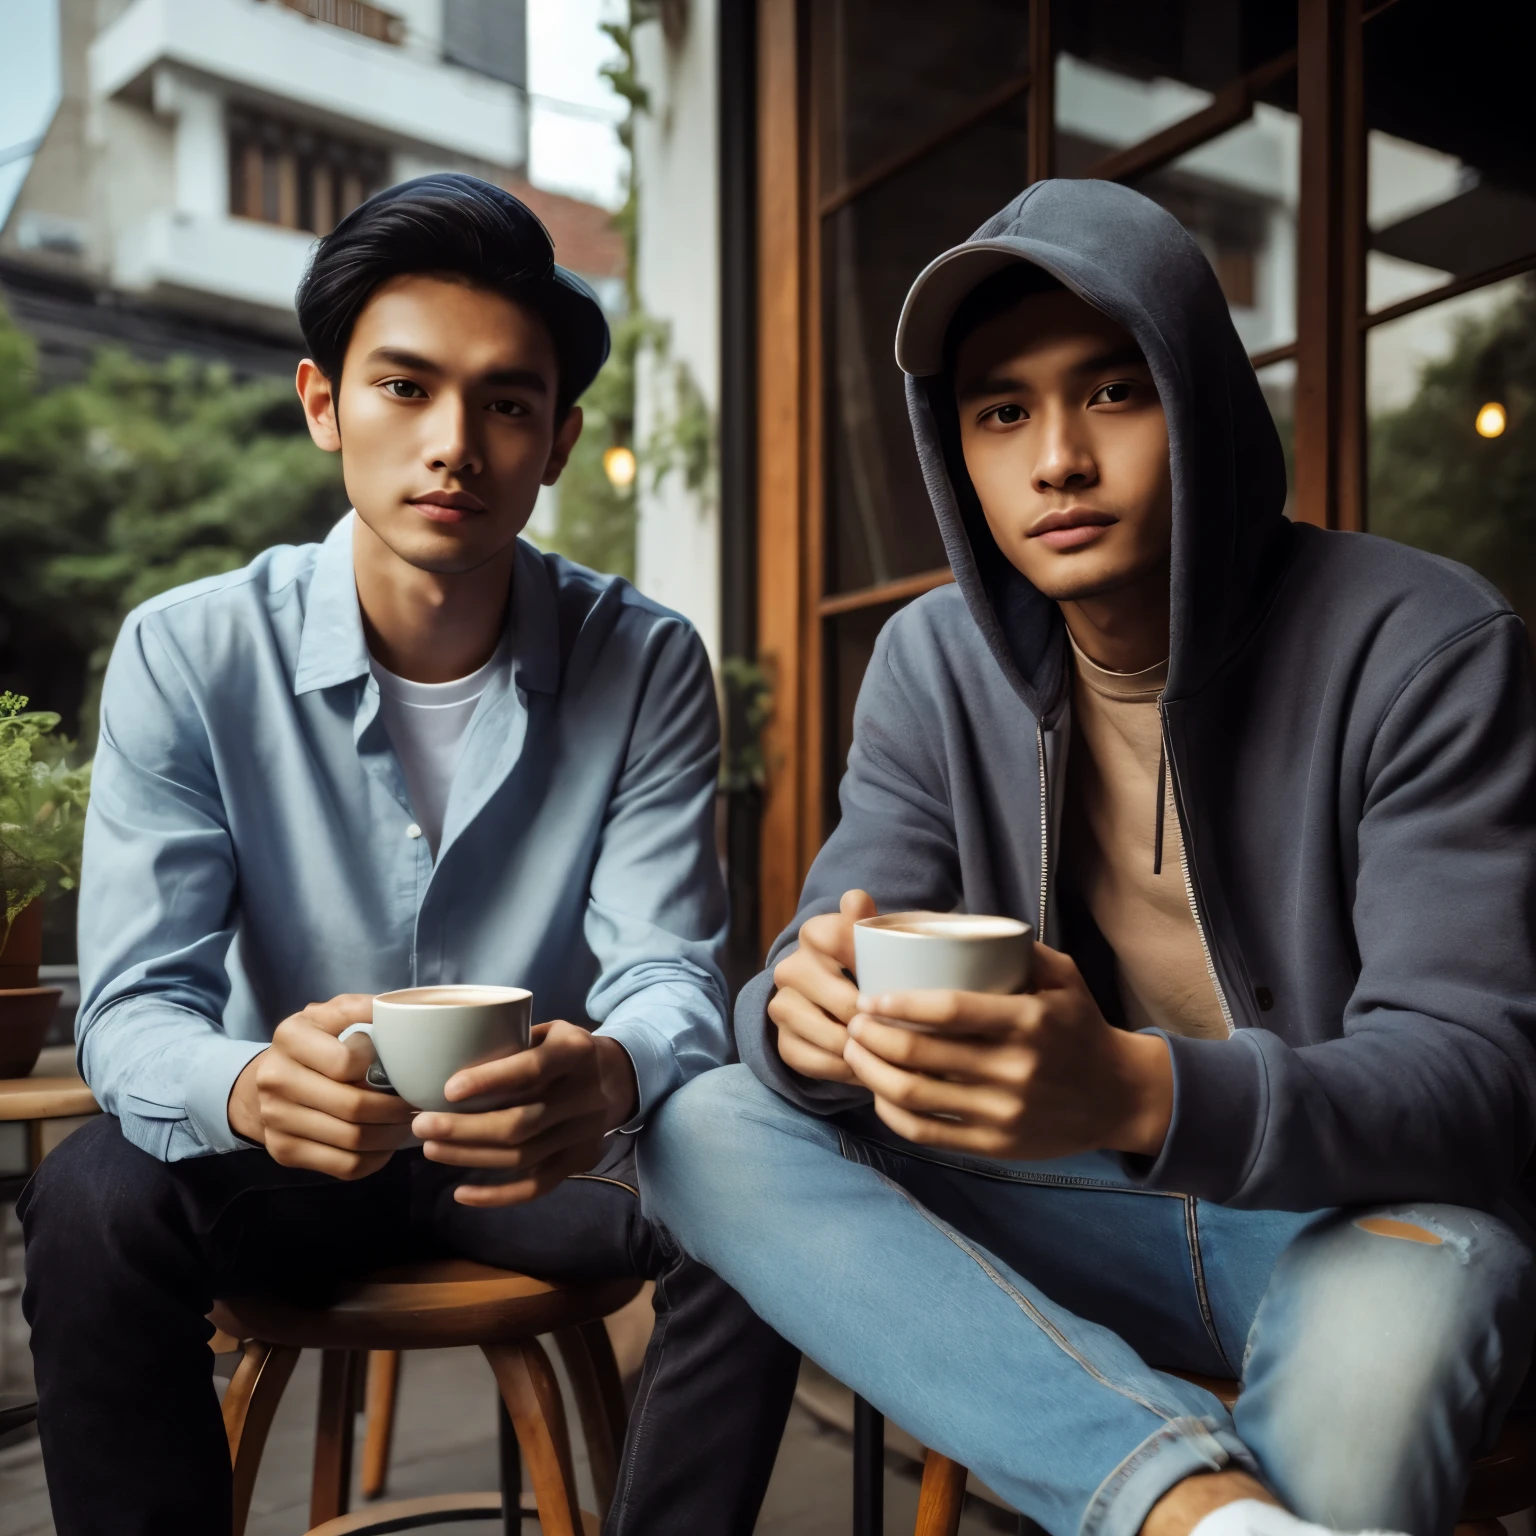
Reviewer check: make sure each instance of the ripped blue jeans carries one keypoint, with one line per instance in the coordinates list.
(1014, 1315)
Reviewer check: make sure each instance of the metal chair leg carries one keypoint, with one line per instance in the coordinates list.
(868, 1469)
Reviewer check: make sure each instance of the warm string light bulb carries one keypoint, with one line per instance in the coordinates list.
(1492, 420)
(619, 466)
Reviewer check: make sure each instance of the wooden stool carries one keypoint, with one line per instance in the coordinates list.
(1502, 1483)
(433, 1306)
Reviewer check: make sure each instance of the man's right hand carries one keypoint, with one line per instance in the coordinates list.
(815, 998)
(303, 1098)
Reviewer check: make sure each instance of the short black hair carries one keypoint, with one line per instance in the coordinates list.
(991, 297)
(456, 224)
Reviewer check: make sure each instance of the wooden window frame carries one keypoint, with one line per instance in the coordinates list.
(1332, 323)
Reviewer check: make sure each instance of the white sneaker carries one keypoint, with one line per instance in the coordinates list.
(1253, 1517)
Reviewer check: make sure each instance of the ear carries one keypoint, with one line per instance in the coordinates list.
(319, 400)
(560, 449)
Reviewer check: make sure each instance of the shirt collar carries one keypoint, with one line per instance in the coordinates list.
(333, 649)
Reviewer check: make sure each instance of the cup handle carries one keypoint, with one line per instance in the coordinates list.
(376, 1076)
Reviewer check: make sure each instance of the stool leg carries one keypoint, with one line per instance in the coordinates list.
(250, 1401)
(868, 1469)
(511, 1468)
(330, 1491)
(941, 1498)
(383, 1389)
(532, 1395)
(594, 1377)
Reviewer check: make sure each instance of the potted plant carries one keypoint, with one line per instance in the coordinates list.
(42, 815)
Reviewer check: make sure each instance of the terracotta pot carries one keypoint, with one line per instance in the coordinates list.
(23, 949)
(25, 1014)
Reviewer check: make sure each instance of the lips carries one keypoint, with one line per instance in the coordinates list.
(1074, 528)
(447, 506)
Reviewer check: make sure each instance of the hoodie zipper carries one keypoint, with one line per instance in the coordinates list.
(1045, 830)
(1189, 882)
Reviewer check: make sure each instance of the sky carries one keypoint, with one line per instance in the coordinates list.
(572, 147)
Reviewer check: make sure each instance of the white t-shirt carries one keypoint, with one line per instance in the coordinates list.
(426, 724)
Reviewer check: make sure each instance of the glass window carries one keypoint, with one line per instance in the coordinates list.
(850, 644)
(887, 85)
(1451, 146)
(1452, 400)
(879, 521)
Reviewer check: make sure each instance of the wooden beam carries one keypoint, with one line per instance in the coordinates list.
(1042, 93)
(885, 592)
(781, 421)
(1330, 351)
(1231, 106)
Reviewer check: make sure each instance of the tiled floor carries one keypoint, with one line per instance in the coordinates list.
(445, 1442)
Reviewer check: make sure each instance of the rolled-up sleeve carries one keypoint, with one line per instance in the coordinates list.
(656, 912)
(157, 912)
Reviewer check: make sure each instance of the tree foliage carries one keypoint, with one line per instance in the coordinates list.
(140, 478)
(1438, 485)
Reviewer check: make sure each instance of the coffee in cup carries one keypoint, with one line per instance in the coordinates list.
(421, 1036)
(943, 951)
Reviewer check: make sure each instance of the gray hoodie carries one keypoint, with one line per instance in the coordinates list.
(1351, 730)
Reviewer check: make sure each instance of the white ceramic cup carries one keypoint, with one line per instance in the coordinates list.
(423, 1035)
(950, 951)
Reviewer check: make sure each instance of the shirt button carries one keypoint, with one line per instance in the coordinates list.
(413, 830)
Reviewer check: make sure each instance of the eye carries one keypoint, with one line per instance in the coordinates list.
(1006, 415)
(1114, 394)
(509, 407)
(405, 389)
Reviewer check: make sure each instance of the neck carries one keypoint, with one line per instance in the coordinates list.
(1125, 630)
(429, 626)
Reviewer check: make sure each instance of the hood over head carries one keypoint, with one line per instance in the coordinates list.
(1136, 263)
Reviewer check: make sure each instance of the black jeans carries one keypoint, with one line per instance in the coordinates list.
(125, 1255)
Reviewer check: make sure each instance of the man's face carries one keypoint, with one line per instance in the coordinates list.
(1066, 443)
(445, 417)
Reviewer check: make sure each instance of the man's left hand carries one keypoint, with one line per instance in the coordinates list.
(1032, 1076)
(568, 1090)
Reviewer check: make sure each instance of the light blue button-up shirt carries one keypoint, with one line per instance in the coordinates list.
(249, 847)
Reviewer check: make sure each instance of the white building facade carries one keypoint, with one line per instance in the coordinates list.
(201, 146)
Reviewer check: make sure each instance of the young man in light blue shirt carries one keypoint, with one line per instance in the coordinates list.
(420, 752)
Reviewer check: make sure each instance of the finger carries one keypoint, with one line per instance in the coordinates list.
(1054, 969)
(792, 1012)
(500, 1127)
(525, 1074)
(340, 1012)
(962, 1058)
(302, 1039)
(958, 1013)
(296, 1152)
(980, 1140)
(547, 1177)
(281, 1079)
(812, 1061)
(832, 932)
(923, 1095)
(526, 1156)
(820, 979)
(306, 1124)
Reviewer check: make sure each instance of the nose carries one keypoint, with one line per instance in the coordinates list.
(451, 444)
(1064, 456)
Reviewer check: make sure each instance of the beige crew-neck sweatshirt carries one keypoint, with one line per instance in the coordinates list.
(1146, 918)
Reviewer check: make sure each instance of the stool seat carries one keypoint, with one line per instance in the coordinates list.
(432, 1305)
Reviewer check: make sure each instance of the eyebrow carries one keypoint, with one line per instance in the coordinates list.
(1006, 383)
(517, 378)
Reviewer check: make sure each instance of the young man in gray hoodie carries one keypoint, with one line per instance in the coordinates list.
(1266, 794)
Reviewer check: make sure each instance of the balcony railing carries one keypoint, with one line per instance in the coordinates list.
(354, 16)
